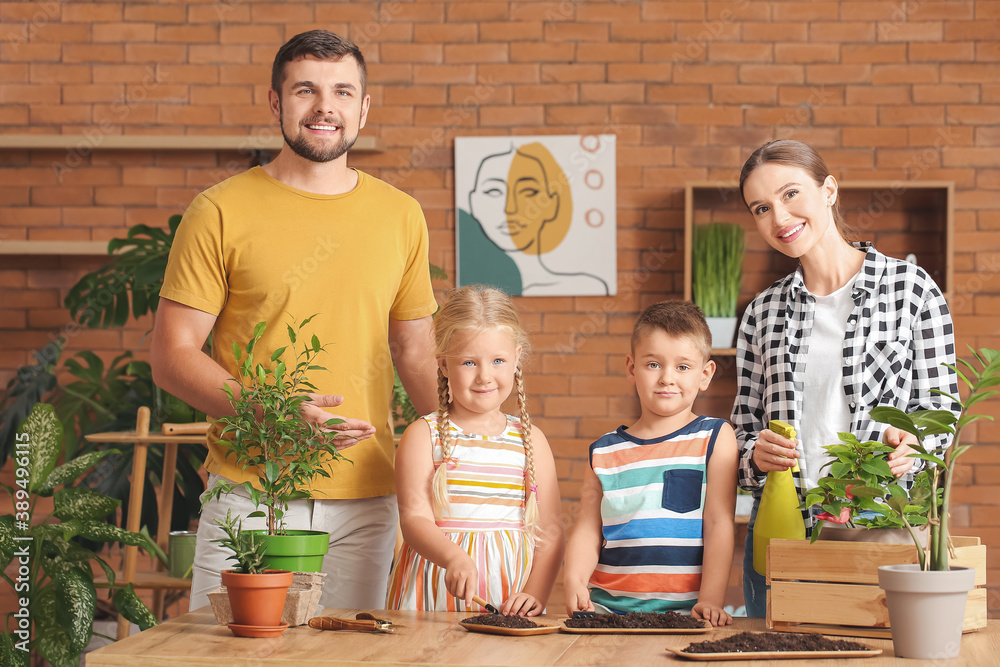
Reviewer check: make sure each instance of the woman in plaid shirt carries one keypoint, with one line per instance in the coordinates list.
(848, 330)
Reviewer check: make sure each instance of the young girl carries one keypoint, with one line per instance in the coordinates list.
(848, 330)
(478, 496)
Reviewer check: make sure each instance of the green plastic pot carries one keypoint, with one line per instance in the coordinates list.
(296, 550)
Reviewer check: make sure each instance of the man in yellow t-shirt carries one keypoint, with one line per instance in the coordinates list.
(305, 234)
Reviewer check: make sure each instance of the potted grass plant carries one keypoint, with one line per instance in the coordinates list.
(717, 270)
(267, 435)
(926, 599)
(256, 593)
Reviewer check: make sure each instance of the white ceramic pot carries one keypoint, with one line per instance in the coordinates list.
(926, 609)
(723, 331)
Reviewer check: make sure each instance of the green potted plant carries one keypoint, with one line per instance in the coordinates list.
(926, 599)
(717, 270)
(54, 582)
(268, 436)
(256, 594)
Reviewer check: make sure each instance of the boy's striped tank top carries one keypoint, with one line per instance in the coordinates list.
(653, 500)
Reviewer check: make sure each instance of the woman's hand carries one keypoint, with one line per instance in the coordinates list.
(900, 460)
(773, 452)
(461, 578)
(521, 604)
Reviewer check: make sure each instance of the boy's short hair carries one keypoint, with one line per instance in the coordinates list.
(679, 319)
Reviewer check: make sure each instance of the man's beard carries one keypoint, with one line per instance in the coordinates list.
(303, 148)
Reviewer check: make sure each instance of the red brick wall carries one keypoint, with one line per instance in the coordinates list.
(886, 90)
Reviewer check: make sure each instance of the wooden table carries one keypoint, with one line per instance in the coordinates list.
(435, 638)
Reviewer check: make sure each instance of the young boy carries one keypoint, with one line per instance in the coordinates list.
(655, 528)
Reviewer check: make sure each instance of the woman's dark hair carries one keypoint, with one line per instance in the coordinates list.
(321, 44)
(793, 154)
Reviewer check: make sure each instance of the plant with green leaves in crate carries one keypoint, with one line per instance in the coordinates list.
(860, 480)
(717, 272)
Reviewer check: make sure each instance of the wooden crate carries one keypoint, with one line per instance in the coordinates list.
(832, 587)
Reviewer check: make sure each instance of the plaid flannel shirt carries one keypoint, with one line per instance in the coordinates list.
(898, 335)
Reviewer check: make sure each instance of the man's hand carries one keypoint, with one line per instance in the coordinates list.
(350, 432)
(900, 460)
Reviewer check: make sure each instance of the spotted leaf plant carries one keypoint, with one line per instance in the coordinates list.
(51, 573)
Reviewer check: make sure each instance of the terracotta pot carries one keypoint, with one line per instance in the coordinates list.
(926, 609)
(257, 599)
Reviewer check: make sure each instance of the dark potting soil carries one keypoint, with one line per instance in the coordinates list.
(501, 621)
(634, 619)
(756, 642)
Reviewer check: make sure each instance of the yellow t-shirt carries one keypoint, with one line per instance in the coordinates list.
(253, 249)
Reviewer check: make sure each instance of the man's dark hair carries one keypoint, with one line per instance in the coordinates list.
(321, 44)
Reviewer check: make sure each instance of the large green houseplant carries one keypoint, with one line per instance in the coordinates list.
(860, 476)
(54, 582)
(717, 270)
(268, 437)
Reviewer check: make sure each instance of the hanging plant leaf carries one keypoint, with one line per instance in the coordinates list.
(75, 502)
(76, 601)
(131, 607)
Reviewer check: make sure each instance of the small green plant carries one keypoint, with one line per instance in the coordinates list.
(55, 571)
(929, 500)
(717, 264)
(247, 548)
(268, 435)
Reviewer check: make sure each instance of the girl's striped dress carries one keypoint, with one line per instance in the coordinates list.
(653, 499)
(486, 477)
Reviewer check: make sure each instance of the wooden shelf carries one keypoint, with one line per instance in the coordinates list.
(269, 141)
(146, 580)
(52, 248)
(899, 216)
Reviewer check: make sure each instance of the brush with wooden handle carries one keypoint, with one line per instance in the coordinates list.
(485, 605)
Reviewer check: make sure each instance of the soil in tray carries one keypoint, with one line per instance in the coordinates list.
(501, 621)
(757, 642)
(633, 619)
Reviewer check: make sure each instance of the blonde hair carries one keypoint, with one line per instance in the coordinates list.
(476, 309)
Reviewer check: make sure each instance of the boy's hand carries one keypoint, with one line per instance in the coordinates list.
(461, 579)
(578, 599)
(521, 604)
(900, 460)
(773, 452)
(710, 612)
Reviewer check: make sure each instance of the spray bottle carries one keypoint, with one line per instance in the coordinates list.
(778, 516)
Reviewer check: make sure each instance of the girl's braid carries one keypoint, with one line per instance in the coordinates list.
(530, 496)
(440, 480)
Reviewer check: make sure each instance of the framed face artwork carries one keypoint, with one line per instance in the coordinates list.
(536, 215)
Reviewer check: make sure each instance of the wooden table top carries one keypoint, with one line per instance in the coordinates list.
(435, 638)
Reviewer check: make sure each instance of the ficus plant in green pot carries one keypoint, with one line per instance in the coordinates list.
(267, 436)
(717, 271)
(920, 595)
(53, 581)
(256, 594)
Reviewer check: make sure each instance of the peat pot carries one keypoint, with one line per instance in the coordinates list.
(926, 609)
